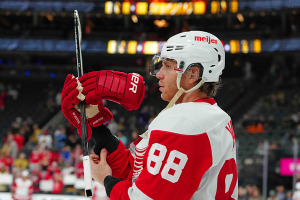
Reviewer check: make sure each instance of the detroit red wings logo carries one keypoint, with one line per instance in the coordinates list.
(230, 129)
(138, 162)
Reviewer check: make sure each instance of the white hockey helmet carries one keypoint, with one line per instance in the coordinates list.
(297, 186)
(192, 47)
(25, 173)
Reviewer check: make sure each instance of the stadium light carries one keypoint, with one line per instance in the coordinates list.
(161, 23)
(134, 19)
(240, 17)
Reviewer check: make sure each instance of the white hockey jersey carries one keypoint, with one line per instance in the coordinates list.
(22, 189)
(190, 154)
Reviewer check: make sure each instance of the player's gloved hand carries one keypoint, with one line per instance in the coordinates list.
(125, 89)
(71, 96)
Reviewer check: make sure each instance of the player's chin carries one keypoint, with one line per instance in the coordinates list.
(165, 97)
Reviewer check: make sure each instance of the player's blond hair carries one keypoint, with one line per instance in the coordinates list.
(209, 88)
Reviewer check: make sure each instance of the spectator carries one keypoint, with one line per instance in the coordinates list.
(58, 99)
(121, 125)
(132, 123)
(77, 152)
(10, 146)
(18, 122)
(296, 100)
(53, 169)
(21, 162)
(36, 132)
(34, 159)
(72, 141)
(13, 92)
(3, 95)
(144, 116)
(48, 155)
(289, 195)
(122, 137)
(60, 138)
(296, 195)
(4, 170)
(61, 163)
(79, 168)
(113, 126)
(22, 187)
(295, 118)
(280, 192)
(246, 122)
(67, 170)
(43, 172)
(30, 145)
(256, 195)
(19, 139)
(249, 189)
(260, 149)
(287, 144)
(66, 154)
(242, 194)
(271, 122)
(261, 124)
(134, 135)
(45, 140)
(36, 181)
(272, 195)
(57, 184)
(281, 99)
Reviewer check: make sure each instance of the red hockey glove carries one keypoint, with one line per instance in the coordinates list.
(71, 97)
(125, 89)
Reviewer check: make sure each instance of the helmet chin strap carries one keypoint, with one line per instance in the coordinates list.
(177, 95)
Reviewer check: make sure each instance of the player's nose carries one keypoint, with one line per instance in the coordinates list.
(159, 74)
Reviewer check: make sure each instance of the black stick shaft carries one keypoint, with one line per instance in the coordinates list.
(85, 147)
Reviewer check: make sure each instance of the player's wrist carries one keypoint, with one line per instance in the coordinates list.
(109, 183)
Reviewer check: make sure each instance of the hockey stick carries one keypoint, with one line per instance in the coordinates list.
(85, 144)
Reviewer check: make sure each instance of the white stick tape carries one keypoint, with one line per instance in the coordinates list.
(87, 173)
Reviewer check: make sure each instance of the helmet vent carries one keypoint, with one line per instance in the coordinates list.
(216, 50)
(170, 46)
(183, 36)
(212, 66)
(178, 47)
(169, 49)
(219, 57)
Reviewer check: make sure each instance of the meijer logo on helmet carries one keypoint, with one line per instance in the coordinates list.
(206, 39)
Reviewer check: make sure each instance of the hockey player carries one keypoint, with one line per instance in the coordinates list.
(22, 188)
(189, 149)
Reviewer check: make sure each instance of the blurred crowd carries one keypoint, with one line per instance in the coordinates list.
(54, 154)
(6, 92)
(272, 103)
(252, 192)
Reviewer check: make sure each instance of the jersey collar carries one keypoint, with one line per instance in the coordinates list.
(208, 100)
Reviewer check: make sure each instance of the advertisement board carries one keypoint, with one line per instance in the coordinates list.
(287, 166)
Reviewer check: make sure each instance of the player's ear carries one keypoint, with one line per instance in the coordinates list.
(193, 74)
